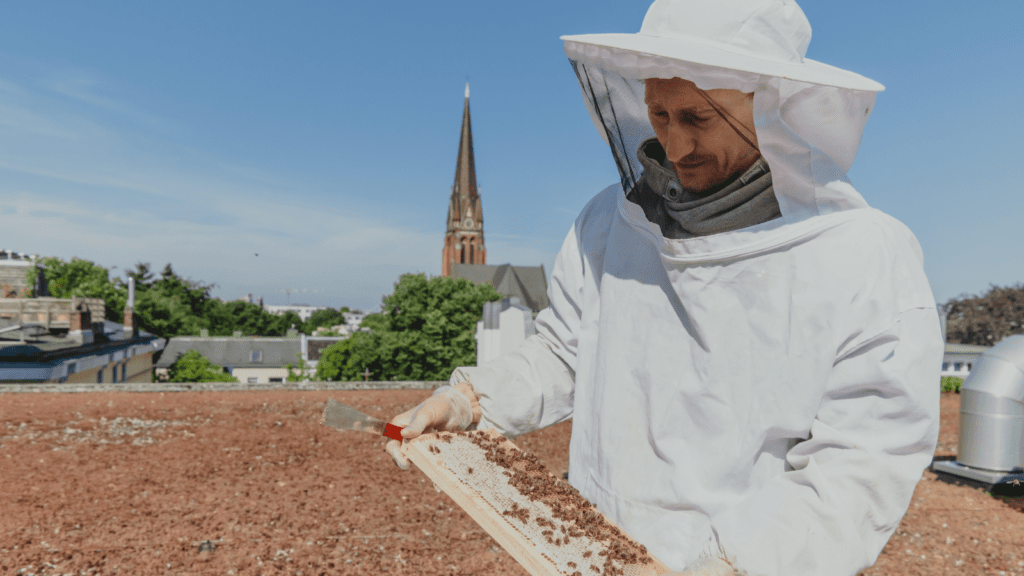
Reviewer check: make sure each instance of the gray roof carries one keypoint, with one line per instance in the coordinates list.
(965, 348)
(528, 283)
(316, 345)
(234, 352)
(34, 343)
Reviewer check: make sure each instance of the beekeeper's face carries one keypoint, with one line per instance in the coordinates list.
(699, 141)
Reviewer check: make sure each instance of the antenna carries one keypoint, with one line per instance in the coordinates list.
(289, 291)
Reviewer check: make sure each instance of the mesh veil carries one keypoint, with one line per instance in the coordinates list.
(807, 133)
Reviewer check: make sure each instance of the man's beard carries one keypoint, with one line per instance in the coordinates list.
(718, 178)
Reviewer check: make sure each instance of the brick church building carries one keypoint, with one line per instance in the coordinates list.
(464, 254)
(464, 236)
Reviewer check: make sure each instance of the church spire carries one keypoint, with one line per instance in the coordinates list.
(464, 235)
(465, 168)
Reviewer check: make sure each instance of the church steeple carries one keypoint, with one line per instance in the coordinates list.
(464, 233)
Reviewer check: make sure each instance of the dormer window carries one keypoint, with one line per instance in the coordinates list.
(256, 356)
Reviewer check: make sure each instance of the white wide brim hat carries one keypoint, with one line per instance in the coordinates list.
(764, 37)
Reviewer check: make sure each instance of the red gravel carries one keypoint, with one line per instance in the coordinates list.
(135, 483)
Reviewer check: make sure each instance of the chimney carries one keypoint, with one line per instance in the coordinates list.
(80, 330)
(81, 319)
(129, 309)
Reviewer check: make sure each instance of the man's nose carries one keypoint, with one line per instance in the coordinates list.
(681, 142)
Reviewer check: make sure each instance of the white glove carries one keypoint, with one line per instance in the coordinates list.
(447, 409)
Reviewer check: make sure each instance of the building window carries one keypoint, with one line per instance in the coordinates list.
(968, 366)
(99, 376)
(124, 371)
(957, 366)
(273, 380)
(945, 366)
(253, 380)
(256, 356)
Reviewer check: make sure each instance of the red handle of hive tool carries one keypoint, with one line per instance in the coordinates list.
(393, 432)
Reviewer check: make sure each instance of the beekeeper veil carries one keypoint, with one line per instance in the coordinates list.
(808, 116)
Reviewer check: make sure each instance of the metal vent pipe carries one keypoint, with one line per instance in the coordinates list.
(992, 409)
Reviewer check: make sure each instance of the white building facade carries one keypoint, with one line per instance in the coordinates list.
(303, 310)
(959, 359)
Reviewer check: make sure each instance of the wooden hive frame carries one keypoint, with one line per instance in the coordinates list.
(530, 529)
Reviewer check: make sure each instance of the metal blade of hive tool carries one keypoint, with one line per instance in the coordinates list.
(342, 417)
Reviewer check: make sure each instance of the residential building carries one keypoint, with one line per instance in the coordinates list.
(313, 347)
(14, 282)
(250, 299)
(354, 317)
(303, 310)
(70, 340)
(526, 283)
(958, 359)
(253, 360)
(505, 325)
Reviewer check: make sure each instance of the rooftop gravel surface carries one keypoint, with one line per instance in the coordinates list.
(233, 483)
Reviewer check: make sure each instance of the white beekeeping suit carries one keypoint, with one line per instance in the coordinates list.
(766, 395)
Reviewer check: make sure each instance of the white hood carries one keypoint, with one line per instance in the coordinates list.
(808, 133)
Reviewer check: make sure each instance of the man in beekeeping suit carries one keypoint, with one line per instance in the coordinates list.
(749, 353)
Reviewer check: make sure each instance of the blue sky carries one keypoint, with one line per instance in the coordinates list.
(322, 135)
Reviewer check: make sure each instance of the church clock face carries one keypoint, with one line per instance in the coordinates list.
(467, 223)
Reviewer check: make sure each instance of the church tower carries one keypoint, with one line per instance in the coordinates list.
(464, 235)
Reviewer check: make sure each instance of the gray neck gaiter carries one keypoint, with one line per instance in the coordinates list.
(742, 201)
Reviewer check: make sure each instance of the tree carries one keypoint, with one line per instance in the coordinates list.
(224, 318)
(142, 275)
(170, 305)
(85, 279)
(426, 328)
(324, 318)
(334, 360)
(988, 318)
(194, 367)
(299, 372)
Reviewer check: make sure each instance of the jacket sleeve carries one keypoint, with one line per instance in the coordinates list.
(852, 480)
(532, 387)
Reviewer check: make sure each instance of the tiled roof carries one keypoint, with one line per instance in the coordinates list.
(528, 283)
(316, 346)
(965, 348)
(235, 352)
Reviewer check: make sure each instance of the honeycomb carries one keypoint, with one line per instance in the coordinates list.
(548, 513)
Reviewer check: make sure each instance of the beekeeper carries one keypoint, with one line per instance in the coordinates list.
(749, 353)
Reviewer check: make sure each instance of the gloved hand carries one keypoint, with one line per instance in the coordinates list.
(449, 408)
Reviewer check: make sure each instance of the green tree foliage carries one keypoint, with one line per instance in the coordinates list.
(168, 305)
(172, 306)
(988, 318)
(300, 371)
(425, 329)
(224, 318)
(84, 278)
(324, 318)
(142, 274)
(951, 384)
(30, 282)
(194, 367)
